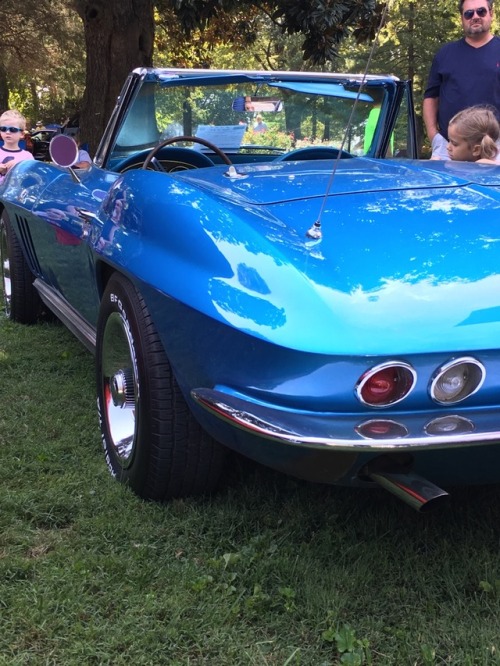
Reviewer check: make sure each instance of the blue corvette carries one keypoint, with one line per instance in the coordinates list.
(260, 262)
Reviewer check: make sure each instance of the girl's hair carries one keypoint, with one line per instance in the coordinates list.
(478, 125)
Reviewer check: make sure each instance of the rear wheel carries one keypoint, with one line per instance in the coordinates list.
(21, 300)
(151, 440)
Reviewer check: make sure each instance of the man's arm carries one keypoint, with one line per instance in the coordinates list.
(430, 108)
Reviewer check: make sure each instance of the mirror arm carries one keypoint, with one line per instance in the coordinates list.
(76, 178)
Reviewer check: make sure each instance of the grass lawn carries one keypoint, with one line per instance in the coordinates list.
(270, 571)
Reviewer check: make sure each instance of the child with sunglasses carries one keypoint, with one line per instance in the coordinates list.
(473, 135)
(12, 127)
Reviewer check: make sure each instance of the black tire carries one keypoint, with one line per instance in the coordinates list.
(21, 300)
(151, 440)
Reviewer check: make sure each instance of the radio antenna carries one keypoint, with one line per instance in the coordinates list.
(315, 232)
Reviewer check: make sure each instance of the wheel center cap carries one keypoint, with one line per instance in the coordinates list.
(122, 389)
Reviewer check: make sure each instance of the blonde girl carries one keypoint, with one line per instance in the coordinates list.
(473, 135)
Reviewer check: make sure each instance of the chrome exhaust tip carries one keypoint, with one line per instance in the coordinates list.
(420, 494)
(396, 476)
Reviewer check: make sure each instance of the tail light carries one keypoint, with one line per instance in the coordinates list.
(386, 384)
(457, 380)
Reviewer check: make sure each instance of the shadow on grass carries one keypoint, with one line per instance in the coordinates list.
(471, 508)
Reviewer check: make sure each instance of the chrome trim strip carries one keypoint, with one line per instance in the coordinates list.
(336, 431)
(67, 314)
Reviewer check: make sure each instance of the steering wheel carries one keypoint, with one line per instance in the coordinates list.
(151, 157)
(173, 158)
(313, 153)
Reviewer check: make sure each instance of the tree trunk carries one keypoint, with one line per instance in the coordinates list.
(35, 103)
(119, 36)
(4, 89)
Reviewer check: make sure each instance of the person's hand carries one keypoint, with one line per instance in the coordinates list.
(439, 148)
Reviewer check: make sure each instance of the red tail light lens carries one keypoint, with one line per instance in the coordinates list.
(386, 384)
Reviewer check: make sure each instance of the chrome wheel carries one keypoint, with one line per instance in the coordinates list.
(151, 440)
(120, 387)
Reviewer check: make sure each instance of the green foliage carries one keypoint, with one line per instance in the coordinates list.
(352, 651)
(407, 41)
(209, 28)
(491, 588)
(324, 24)
(41, 53)
(273, 137)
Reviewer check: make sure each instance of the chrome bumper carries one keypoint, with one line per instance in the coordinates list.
(354, 432)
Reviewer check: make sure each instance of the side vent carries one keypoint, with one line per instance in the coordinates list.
(27, 244)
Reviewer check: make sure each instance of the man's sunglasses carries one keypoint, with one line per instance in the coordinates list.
(469, 13)
(14, 130)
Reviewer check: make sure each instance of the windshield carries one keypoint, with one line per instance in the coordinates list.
(246, 118)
